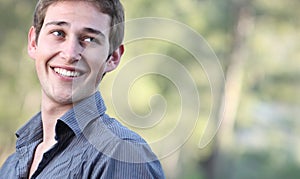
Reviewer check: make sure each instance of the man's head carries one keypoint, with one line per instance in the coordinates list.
(111, 7)
(73, 45)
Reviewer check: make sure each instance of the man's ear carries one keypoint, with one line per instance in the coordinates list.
(114, 59)
(32, 44)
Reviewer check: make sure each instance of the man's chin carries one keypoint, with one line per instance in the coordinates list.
(80, 95)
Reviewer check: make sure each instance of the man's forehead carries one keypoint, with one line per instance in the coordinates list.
(77, 12)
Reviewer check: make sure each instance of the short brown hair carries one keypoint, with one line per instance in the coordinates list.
(113, 8)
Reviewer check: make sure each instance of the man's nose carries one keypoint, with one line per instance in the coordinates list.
(72, 50)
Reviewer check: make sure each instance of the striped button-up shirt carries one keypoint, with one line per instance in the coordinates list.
(90, 144)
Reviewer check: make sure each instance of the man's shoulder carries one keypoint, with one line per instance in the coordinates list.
(116, 141)
(120, 130)
(8, 168)
(107, 129)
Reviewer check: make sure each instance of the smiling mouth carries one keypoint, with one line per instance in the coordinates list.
(67, 73)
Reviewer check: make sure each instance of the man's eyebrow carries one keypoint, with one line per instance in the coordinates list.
(94, 31)
(58, 23)
(87, 29)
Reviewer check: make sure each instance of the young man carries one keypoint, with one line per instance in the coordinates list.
(73, 44)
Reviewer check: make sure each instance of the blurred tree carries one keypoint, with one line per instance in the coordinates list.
(16, 72)
(264, 64)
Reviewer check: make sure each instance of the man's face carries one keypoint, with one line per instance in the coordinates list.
(71, 52)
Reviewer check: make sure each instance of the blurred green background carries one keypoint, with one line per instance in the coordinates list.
(257, 43)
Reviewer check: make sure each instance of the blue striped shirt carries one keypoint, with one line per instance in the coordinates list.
(90, 144)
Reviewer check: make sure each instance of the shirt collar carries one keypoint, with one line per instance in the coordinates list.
(84, 112)
(31, 131)
(76, 119)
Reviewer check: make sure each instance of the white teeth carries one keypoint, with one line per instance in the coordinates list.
(66, 73)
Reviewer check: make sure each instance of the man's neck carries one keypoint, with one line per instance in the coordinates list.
(51, 112)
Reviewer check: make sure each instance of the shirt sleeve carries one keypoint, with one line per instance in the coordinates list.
(119, 169)
(131, 160)
(8, 169)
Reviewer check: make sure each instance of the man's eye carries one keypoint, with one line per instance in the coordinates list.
(58, 33)
(89, 39)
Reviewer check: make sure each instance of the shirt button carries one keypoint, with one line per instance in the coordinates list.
(46, 156)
